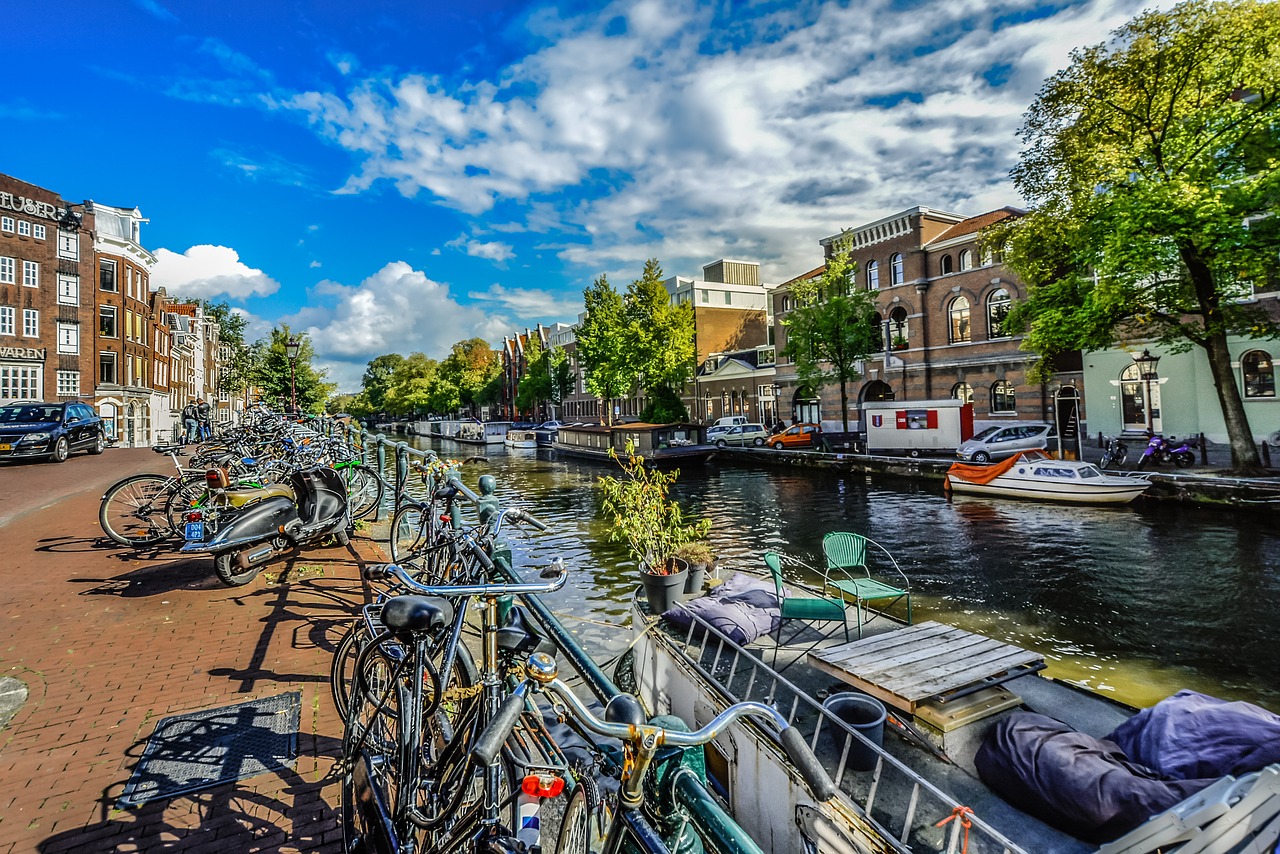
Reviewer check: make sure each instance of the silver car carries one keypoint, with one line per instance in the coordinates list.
(1002, 442)
(742, 434)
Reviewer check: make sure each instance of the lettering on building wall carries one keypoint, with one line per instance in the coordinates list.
(33, 353)
(31, 207)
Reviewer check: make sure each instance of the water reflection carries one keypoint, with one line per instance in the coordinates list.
(1138, 601)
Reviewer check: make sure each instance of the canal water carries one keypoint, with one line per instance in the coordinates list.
(1136, 602)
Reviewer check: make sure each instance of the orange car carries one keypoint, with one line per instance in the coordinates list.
(796, 436)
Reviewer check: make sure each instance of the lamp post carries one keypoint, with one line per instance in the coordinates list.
(1147, 372)
(291, 352)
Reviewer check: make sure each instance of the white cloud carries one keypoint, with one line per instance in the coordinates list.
(494, 251)
(314, 264)
(205, 272)
(665, 127)
(396, 310)
(528, 305)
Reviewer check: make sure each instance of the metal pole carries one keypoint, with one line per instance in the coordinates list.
(1151, 424)
(293, 387)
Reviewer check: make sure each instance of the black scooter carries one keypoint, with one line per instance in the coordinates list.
(245, 528)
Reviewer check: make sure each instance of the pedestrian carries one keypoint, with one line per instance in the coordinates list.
(190, 422)
(203, 411)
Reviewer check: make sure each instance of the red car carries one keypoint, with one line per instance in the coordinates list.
(796, 436)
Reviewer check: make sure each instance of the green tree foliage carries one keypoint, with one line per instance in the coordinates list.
(1152, 164)
(662, 343)
(470, 368)
(603, 346)
(547, 377)
(377, 379)
(831, 328)
(410, 387)
(239, 366)
(272, 376)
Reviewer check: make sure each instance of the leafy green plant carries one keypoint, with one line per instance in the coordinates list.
(644, 516)
(696, 552)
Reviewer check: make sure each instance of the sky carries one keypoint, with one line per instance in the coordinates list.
(398, 176)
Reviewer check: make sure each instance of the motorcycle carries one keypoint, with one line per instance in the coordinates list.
(245, 528)
(1160, 451)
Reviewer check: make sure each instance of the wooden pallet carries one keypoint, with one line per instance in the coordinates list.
(925, 662)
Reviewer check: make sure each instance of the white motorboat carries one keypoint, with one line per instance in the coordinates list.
(1034, 474)
(521, 439)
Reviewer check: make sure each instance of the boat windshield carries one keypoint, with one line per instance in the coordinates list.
(1089, 471)
(1054, 471)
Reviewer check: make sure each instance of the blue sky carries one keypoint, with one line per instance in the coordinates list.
(397, 176)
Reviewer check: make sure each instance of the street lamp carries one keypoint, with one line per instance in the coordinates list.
(1146, 364)
(291, 352)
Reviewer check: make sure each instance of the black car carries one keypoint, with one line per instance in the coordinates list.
(52, 430)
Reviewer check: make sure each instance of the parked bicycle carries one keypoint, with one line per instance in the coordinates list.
(1114, 454)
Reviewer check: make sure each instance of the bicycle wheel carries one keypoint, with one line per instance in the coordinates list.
(408, 532)
(583, 827)
(189, 493)
(364, 491)
(133, 510)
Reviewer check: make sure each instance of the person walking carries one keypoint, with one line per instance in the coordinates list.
(204, 413)
(190, 422)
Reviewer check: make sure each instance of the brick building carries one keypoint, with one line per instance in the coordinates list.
(46, 295)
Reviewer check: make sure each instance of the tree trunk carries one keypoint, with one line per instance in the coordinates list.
(844, 405)
(1244, 453)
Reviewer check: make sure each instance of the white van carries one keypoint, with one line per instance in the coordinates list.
(723, 425)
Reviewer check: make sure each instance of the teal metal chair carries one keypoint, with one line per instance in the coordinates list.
(810, 609)
(846, 553)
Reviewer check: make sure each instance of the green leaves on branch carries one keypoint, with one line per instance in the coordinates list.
(644, 516)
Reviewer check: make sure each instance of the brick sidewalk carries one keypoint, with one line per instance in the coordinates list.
(110, 641)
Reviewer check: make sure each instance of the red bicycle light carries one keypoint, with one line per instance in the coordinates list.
(542, 785)
(195, 516)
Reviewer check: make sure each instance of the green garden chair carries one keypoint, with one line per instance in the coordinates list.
(846, 554)
(810, 609)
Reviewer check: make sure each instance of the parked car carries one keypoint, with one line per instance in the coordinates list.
(742, 434)
(50, 429)
(796, 436)
(1002, 442)
(550, 425)
(724, 425)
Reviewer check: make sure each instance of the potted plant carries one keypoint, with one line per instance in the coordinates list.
(899, 343)
(652, 525)
(700, 557)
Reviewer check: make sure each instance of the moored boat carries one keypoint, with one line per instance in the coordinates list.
(521, 439)
(659, 444)
(1034, 474)
(481, 433)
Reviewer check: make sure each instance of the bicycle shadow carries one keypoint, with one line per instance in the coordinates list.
(154, 580)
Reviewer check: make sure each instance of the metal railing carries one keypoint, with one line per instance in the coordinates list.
(900, 804)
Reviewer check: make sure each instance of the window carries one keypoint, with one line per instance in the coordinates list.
(895, 269)
(962, 392)
(24, 228)
(1002, 397)
(873, 276)
(69, 245)
(7, 268)
(966, 260)
(7, 313)
(107, 322)
(765, 356)
(107, 368)
(987, 258)
(128, 324)
(899, 334)
(30, 274)
(947, 266)
(21, 383)
(1259, 374)
(69, 385)
(728, 297)
(30, 323)
(705, 294)
(959, 315)
(68, 289)
(37, 231)
(6, 223)
(68, 338)
(107, 276)
(997, 311)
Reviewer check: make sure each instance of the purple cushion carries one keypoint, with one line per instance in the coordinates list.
(742, 608)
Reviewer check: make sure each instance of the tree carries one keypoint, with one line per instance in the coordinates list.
(831, 328)
(662, 344)
(239, 366)
(272, 375)
(378, 377)
(1152, 165)
(470, 367)
(603, 346)
(408, 389)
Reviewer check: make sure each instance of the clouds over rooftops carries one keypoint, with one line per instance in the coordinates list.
(209, 272)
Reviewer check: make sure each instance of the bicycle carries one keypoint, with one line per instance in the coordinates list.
(609, 828)
(134, 510)
(1114, 454)
(411, 782)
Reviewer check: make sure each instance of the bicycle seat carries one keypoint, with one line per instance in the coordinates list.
(410, 614)
(520, 636)
(166, 449)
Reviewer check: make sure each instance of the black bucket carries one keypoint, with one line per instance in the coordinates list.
(865, 715)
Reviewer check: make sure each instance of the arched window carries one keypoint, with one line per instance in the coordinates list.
(1259, 374)
(947, 266)
(962, 392)
(899, 335)
(1002, 397)
(877, 329)
(966, 259)
(895, 269)
(997, 311)
(959, 320)
(985, 255)
(873, 276)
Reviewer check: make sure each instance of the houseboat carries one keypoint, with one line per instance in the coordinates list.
(659, 444)
(521, 439)
(482, 433)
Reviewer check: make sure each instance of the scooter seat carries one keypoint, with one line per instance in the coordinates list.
(240, 497)
(413, 614)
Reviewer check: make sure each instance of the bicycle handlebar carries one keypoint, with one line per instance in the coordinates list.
(390, 571)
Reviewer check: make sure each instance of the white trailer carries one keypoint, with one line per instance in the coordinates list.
(917, 427)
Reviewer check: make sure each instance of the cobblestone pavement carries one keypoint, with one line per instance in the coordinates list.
(109, 641)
